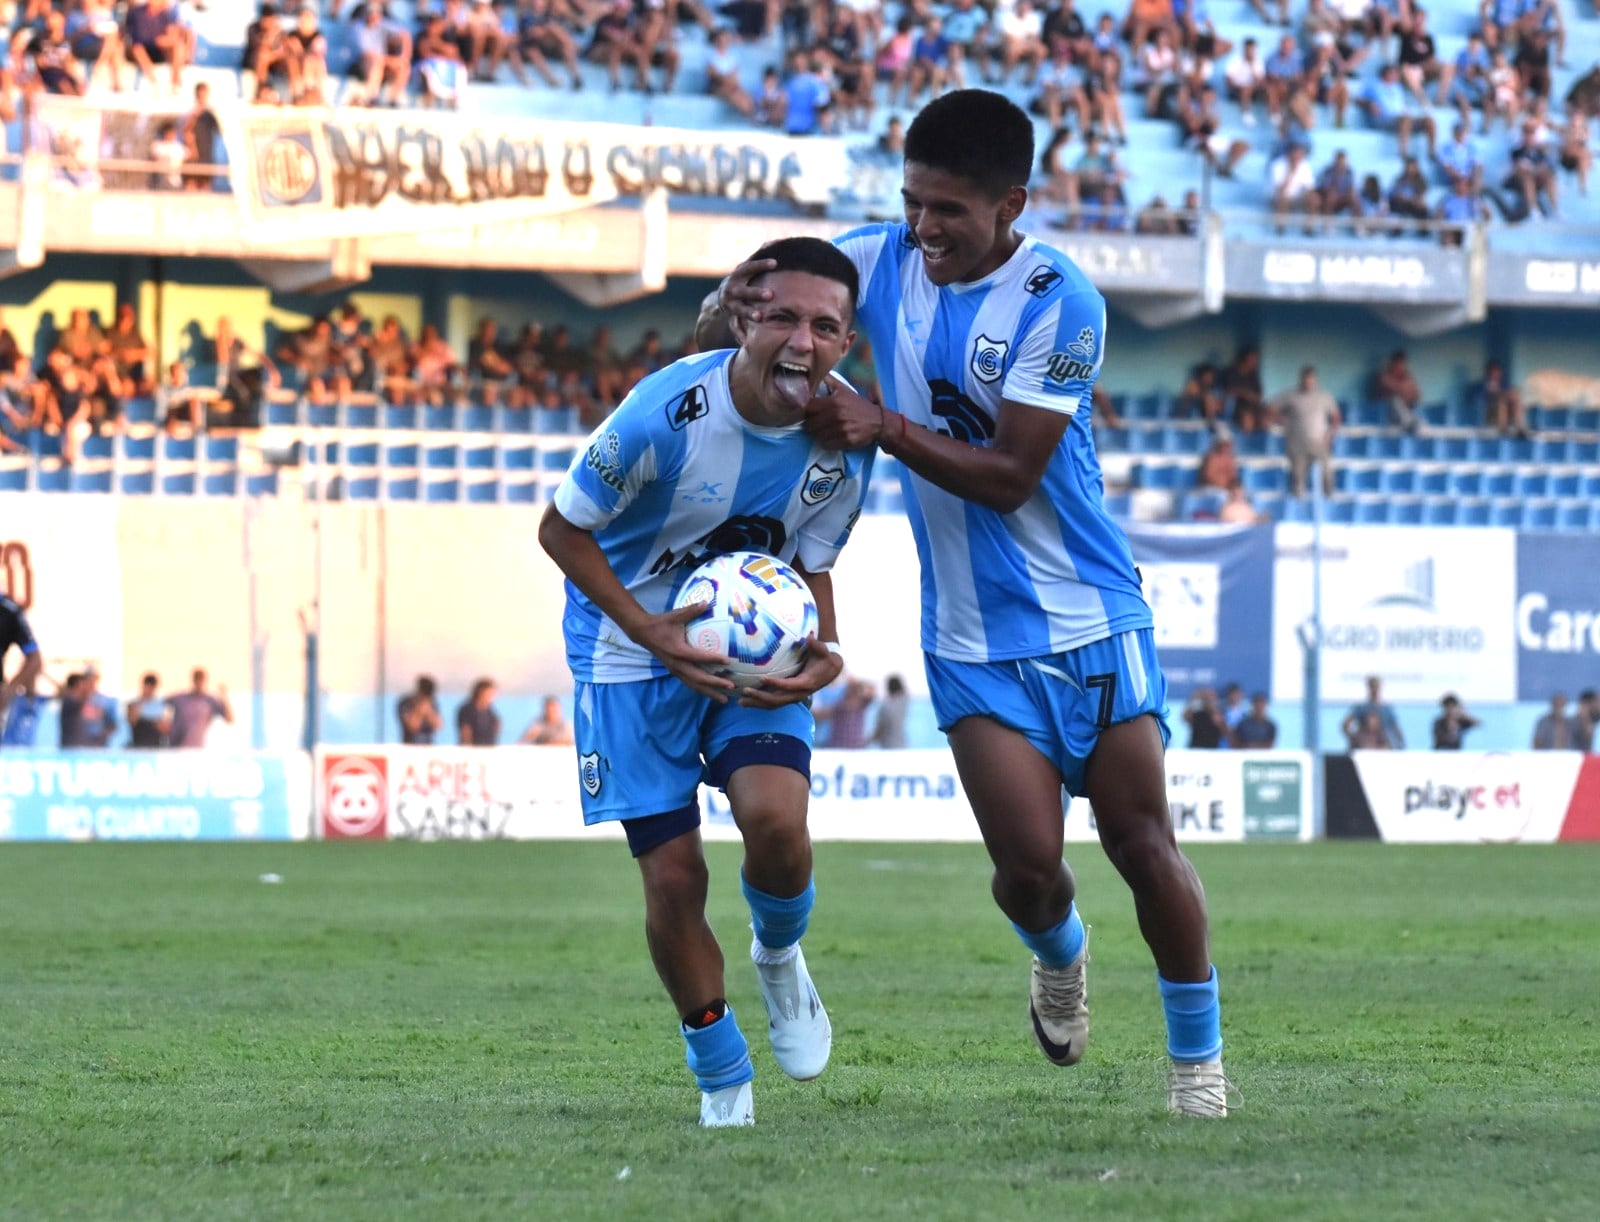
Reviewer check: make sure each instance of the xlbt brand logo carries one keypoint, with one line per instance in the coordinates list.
(1412, 592)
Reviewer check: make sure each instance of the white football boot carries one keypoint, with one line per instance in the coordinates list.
(1199, 1088)
(798, 1026)
(1058, 1007)
(727, 1108)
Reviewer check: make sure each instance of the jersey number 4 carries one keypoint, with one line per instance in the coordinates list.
(687, 407)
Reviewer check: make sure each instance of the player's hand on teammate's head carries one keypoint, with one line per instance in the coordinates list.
(663, 636)
(822, 667)
(738, 298)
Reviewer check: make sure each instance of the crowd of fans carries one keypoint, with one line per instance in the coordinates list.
(836, 62)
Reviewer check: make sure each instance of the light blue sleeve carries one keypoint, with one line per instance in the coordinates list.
(621, 456)
(1059, 354)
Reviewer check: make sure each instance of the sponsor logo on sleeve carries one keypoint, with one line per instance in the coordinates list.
(604, 458)
(1077, 362)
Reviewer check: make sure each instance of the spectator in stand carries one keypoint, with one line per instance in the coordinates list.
(1219, 465)
(1372, 720)
(1156, 74)
(1283, 70)
(1336, 188)
(243, 376)
(845, 715)
(488, 43)
(433, 366)
(96, 40)
(1310, 418)
(1586, 719)
(1233, 709)
(1532, 180)
(382, 63)
(266, 56)
(1576, 157)
(1419, 61)
(1458, 160)
(202, 137)
(308, 60)
(1203, 715)
(602, 367)
(1105, 96)
(1326, 78)
(313, 355)
(806, 100)
(1470, 88)
(1462, 207)
(1144, 18)
(1202, 396)
(1497, 403)
(477, 721)
(487, 362)
(1096, 169)
(1245, 77)
(1061, 86)
(1241, 389)
(1374, 207)
(889, 731)
(1554, 731)
(1255, 731)
(771, 101)
(98, 712)
(52, 57)
(1388, 107)
(722, 75)
(1267, 18)
(1532, 64)
(1200, 119)
(935, 61)
(1294, 186)
(419, 714)
(550, 728)
(169, 152)
(1237, 509)
(155, 34)
(443, 74)
(1394, 385)
(844, 46)
(1189, 216)
(1452, 724)
(965, 25)
(390, 355)
(1019, 28)
(1058, 182)
(149, 716)
(194, 711)
(1156, 219)
(131, 355)
(1408, 195)
(70, 735)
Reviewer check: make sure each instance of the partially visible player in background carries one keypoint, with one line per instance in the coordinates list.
(1037, 639)
(710, 456)
(15, 634)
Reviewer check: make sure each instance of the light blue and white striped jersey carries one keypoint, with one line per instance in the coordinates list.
(1057, 573)
(675, 476)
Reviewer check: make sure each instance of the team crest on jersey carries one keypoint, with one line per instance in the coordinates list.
(589, 767)
(821, 483)
(989, 358)
(604, 458)
(1043, 279)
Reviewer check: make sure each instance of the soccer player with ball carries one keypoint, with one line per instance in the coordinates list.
(1037, 639)
(707, 457)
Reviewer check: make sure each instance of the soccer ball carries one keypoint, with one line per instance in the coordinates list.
(758, 614)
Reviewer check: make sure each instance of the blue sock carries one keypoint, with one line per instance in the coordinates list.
(1059, 945)
(1194, 1019)
(718, 1056)
(779, 923)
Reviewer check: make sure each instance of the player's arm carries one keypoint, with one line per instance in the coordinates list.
(579, 557)
(822, 664)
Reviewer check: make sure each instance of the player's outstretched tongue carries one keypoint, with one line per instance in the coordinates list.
(793, 383)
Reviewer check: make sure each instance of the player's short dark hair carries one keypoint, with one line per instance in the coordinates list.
(975, 134)
(815, 257)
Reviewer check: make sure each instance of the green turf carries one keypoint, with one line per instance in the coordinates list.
(466, 1031)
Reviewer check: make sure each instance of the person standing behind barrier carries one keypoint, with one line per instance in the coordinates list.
(1586, 719)
(1255, 731)
(551, 728)
(890, 730)
(1555, 731)
(149, 716)
(1354, 726)
(477, 721)
(1310, 418)
(193, 711)
(99, 715)
(1452, 725)
(419, 714)
(15, 633)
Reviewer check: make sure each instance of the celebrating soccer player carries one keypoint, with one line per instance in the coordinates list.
(1038, 643)
(706, 457)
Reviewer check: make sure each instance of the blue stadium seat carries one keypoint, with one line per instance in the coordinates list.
(178, 449)
(1588, 485)
(323, 415)
(1340, 509)
(55, 478)
(1586, 419)
(1533, 484)
(139, 410)
(1255, 445)
(483, 491)
(1111, 441)
(360, 415)
(1187, 441)
(404, 489)
(96, 446)
(476, 418)
(1505, 513)
(1549, 450)
(440, 419)
(522, 491)
(1453, 449)
(361, 453)
(137, 483)
(1143, 440)
(362, 488)
(442, 491)
(1539, 515)
(180, 484)
(1119, 504)
(1352, 445)
(1359, 479)
(399, 416)
(262, 483)
(1401, 481)
(1436, 512)
(1387, 446)
(139, 449)
(282, 412)
(515, 456)
(1576, 515)
(1568, 483)
(441, 457)
(1500, 483)
(1404, 512)
(1295, 509)
(1483, 449)
(406, 455)
(1584, 453)
(885, 498)
(1201, 505)
(1472, 513)
(1514, 449)
(1433, 481)
(1552, 419)
(221, 449)
(1258, 479)
(220, 483)
(517, 419)
(478, 457)
(89, 481)
(558, 420)
(1466, 482)
(559, 458)
(13, 477)
(1372, 511)
(1270, 504)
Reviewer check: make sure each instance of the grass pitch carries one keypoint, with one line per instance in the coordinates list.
(474, 1031)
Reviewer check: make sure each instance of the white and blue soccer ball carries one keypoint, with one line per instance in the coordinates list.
(758, 614)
